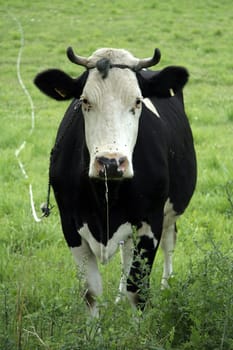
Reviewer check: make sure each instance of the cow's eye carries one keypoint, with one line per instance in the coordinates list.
(85, 101)
(138, 102)
(86, 104)
(137, 105)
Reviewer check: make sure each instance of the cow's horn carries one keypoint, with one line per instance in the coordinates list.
(149, 62)
(81, 61)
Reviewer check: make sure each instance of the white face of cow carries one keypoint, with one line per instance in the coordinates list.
(111, 109)
(111, 103)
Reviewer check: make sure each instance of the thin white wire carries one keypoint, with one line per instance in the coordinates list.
(33, 205)
(18, 64)
(17, 152)
(32, 107)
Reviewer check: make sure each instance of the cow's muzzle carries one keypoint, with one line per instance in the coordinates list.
(111, 167)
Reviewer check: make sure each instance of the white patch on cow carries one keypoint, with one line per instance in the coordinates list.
(171, 92)
(168, 241)
(102, 252)
(145, 230)
(126, 252)
(149, 105)
(111, 111)
(89, 273)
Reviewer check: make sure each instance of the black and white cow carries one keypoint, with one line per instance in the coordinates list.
(123, 158)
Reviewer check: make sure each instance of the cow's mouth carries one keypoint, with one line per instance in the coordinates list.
(111, 168)
(111, 174)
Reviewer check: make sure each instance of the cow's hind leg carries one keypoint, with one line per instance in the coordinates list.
(89, 273)
(138, 279)
(168, 241)
(126, 251)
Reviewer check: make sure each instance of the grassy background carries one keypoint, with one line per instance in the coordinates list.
(40, 306)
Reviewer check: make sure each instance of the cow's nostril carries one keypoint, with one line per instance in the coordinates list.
(100, 160)
(122, 160)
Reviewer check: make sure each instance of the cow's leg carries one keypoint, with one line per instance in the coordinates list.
(126, 252)
(89, 273)
(168, 241)
(85, 260)
(144, 253)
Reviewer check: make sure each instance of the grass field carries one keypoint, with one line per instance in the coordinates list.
(40, 306)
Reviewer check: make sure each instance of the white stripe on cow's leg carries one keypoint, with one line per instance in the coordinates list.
(126, 251)
(89, 272)
(168, 241)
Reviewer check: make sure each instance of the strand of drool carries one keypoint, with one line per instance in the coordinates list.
(107, 203)
(107, 210)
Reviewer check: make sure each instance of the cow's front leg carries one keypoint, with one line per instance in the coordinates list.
(144, 253)
(89, 272)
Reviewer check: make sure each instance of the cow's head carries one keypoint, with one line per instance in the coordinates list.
(111, 91)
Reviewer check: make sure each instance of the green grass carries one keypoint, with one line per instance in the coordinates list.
(40, 303)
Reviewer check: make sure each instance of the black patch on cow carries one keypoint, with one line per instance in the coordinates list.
(103, 66)
(168, 175)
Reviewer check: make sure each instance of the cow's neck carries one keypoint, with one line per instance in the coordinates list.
(105, 191)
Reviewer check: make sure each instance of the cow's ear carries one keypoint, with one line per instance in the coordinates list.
(164, 83)
(59, 85)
